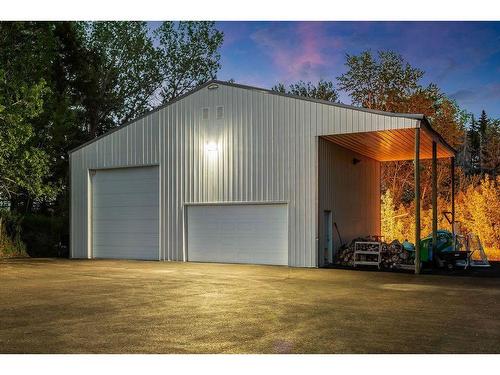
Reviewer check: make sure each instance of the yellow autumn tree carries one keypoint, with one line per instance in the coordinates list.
(392, 223)
(479, 212)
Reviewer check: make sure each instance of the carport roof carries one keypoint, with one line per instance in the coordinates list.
(393, 145)
(381, 145)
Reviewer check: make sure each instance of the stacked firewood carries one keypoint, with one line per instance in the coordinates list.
(394, 255)
(346, 254)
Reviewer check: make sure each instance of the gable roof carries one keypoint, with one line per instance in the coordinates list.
(415, 116)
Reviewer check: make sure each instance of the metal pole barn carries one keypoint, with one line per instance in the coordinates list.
(434, 196)
(417, 200)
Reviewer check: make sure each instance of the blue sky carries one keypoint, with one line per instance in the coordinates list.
(462, 58)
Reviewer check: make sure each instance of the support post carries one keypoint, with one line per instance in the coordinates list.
(434, 196)
(452, 166)
(417, 200)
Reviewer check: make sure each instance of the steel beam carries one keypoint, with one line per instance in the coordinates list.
(417, 200)
(434, 196)
(452, 166)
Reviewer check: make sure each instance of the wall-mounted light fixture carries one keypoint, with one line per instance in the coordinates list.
(211, 147)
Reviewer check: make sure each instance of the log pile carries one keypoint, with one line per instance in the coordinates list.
(346, 254)
(394, 255)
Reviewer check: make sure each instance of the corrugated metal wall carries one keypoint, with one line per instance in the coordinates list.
(350, 191)
(267, 151)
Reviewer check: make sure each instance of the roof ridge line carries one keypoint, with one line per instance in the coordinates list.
(416, 116)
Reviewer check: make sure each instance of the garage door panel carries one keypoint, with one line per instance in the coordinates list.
(125, 213)
(128, 252)
(143, 239)
(122, 174)
(130, 185)
(255, 234)
(143, 226)
(133, 214)
(126, 200)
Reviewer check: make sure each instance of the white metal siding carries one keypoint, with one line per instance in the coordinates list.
(239, 233)
(125, 213)
(267, 151)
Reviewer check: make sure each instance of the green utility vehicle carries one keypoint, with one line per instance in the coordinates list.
(448, 252)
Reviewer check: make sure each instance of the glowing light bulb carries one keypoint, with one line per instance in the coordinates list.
(211, 147)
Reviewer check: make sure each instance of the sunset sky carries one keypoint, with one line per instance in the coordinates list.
(462, 58)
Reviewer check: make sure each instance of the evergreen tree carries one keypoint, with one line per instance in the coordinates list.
(490, 148)
(482, 127)
(482, 124)
(474, 146)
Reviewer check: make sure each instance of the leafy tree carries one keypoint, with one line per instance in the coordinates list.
(63, 116)
(390, 83)
(449, 120)
(189, 56)
(31, 52)
(323, 90)
(479, 212)
(379, 83)
(120, 76)
(392, 227)
(23, 164)
(26, 50)
(27, 53)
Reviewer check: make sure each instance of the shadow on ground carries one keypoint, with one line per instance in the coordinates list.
(492, 271)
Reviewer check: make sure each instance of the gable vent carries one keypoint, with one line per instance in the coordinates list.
(220, 112)
(204, 114)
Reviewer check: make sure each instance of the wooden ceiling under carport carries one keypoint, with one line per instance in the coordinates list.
(390, 145)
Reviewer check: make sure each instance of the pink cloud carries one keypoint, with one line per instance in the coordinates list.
(301, 52)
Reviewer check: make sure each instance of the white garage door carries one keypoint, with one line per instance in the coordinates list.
(255, 234)
(125, 213)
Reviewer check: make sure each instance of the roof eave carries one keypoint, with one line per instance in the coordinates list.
(426, 123)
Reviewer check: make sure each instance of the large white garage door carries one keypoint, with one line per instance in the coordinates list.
(125, 213)
(255, 234)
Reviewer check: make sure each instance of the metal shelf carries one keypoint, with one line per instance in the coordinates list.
(361, 244)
